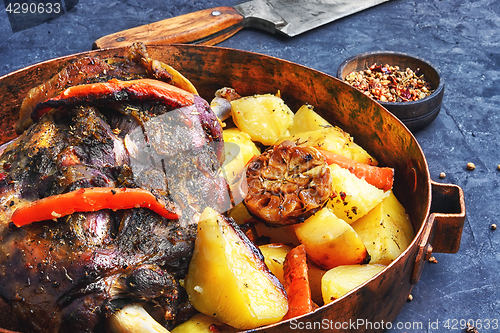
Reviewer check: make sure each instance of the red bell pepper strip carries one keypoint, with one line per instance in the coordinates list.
(380, 177)
(90, 200)
(117, 90)
(296, 283)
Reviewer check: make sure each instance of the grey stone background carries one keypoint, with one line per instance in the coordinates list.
(460, 37)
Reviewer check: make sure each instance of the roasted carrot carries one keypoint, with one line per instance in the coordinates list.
(90, 200)
(117, 90)
(296, 283)
(380, 177)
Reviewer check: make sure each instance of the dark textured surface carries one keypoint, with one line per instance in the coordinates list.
(459, 37)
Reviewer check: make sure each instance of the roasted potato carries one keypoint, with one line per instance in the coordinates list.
(238, 150)
(330, 241)
(274, 257)
(315, 275)
(202, 323)
(274, 235)
(228, 278)
(244, 149)
(285, 234)
(306, 119)
(353, 197)
(240, 214)
(340, 280)
(265, 118)
(386, 230)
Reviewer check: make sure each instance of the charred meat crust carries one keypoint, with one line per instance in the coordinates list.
(71, 273)
(86, 70)
(116, 91)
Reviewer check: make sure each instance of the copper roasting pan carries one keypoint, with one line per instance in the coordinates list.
(437, 210)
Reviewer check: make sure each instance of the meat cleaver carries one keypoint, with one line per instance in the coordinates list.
(211, 26)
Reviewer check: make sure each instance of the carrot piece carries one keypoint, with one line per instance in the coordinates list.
(90, 200)
(296, 283)
(140, 89)
(380, 177)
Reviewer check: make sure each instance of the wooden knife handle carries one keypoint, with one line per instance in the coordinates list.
(207, 27)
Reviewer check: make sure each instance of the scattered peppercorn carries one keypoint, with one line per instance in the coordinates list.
(442, 175)
(433, 260)
(390, 84)
(471, 166)
(410, 298)
(493, 226)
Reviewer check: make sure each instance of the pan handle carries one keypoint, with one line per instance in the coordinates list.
(443, 228)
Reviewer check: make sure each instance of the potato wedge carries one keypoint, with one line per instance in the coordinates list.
(386, 230)
(240, 214)
(239, 153)
(275, 235)
(335, 140)
(228, 279)
(306, 119)
(265, 118)
(201, 323)
(340, 280)
(353, 197)
(330, 241)
(238, 150)
(285, 234)
(315, 275)
(274, 257)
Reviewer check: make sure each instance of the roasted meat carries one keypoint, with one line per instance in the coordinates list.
(137, 65)
(71, 272)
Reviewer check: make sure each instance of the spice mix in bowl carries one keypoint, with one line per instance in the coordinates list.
(409, 87)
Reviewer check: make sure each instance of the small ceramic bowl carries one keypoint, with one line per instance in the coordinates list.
(414, 114)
